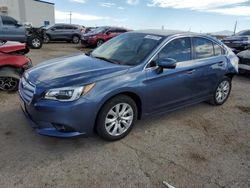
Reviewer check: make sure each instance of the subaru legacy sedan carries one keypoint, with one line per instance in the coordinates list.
(132, 76)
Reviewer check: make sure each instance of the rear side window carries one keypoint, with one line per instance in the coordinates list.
(178, 49)
(218, 50)
(69, 27)
(59, 27)
(203, 48)
(8, 20)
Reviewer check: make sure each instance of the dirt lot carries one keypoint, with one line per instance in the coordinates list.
(200, 146)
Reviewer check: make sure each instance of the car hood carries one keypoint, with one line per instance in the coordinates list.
(10, 47)
(73, 70)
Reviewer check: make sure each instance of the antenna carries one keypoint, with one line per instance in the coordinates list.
(235, 27)
(70, 15)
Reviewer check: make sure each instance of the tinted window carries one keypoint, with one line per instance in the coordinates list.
(178, 49)
(128, 48)
(8, 20)
(69, 27)
(203, 48)
(59, 27)
(218, 50)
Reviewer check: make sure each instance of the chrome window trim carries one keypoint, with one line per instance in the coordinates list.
(167, 40)
(164, 43)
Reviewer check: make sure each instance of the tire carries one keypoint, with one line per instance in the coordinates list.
(35, 42)
(75, 39)
(9, 79)
(46, 39)
(112, 127)
(99, 43)
(221, 92)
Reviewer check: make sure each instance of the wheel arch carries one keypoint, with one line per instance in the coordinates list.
(133, 95)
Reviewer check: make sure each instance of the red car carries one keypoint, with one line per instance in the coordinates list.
(13, 63)
(100, 35)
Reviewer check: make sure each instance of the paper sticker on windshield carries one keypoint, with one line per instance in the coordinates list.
(153, 37)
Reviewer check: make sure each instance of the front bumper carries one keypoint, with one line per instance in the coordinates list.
(60, 120)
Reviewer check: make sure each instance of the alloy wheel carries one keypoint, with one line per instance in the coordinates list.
(8, 83)
(36, 42)
(119, 119)
(222, 91)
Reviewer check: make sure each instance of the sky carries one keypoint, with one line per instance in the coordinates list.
(186, 15)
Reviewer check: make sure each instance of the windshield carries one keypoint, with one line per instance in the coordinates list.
(99, 30)
(128, 49)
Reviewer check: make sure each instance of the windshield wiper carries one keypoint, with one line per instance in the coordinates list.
(106, 59)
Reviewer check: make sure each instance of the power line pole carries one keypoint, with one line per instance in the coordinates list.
(70, 15)
(235, 27)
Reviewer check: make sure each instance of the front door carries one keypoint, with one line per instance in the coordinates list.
(173, 87)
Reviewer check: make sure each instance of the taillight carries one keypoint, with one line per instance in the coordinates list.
(82, 30)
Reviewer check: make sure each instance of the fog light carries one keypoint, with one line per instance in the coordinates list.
(62, 128)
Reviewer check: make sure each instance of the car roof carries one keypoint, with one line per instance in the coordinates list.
(165, 32)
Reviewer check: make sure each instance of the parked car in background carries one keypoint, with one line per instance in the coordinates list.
(239, 41)
(13, 63)
(131, 76)
(100, 35)
(244, 63)
(12, 30)
(89, 29)
(64, 32)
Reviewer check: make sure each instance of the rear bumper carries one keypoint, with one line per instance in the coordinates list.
(58, 121)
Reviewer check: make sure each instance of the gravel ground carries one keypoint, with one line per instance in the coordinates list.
(199, 146)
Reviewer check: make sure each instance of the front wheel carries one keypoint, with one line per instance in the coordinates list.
(116, 118)
(99, 43)
(222, 92)
(35, 42)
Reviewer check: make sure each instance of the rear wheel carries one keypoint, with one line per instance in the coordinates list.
(75, 39)
(221, 92)
(116, 118)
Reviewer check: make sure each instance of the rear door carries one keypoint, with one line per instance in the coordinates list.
(210, 65)
(56, 32)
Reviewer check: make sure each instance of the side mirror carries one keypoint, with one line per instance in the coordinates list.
(108, 32)
(53, 29)
(167, 63)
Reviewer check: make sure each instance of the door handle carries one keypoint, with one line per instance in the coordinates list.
(191, 71)
(221, 63)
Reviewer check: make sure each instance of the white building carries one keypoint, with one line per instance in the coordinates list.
(36, 12)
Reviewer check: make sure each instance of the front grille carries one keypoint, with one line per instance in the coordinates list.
(26, 90)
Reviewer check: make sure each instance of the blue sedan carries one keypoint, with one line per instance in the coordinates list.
(132, 76)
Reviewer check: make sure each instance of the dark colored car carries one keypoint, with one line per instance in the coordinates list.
(13, 63)
(244, 63)
(11, 30)
(132, 76)
(64, 32)
(100, 35)
(239, 41)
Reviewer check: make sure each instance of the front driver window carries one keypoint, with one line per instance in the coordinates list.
(178, 49)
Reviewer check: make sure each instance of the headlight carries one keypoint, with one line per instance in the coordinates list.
(68, 93)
